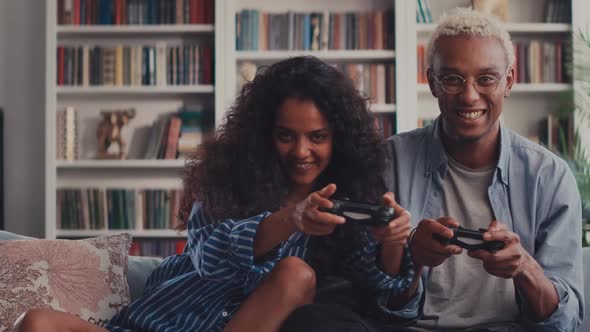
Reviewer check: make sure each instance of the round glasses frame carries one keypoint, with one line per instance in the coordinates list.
(481, 89)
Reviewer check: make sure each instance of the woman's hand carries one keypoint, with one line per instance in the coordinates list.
(396, 233)
(310, 220)
(392, 237)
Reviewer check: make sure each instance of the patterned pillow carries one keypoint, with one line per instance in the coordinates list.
(87, 278)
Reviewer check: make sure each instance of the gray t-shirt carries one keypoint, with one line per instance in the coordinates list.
(459, 292)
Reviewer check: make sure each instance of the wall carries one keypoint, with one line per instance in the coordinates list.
(22, 77)
(2, 88)
(2, 46)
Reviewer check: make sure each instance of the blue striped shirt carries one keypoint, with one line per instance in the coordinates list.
(200, 289)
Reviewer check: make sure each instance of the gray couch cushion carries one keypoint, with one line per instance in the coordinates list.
(139, 268)
(586, 262)
(4, 235)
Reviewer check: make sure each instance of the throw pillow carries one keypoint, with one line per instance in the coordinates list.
(87, 278)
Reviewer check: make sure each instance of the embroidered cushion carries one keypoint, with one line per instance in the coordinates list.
(87, 278)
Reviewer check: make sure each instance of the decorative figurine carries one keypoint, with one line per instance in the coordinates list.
(109, 132)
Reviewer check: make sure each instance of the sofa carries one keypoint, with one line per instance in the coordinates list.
(139, 269)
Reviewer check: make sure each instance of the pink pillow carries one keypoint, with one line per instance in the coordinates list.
(87, 278)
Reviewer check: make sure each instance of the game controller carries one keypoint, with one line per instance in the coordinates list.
(369, 214)
(460, 232)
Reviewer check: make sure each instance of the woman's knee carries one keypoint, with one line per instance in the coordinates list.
(34, 320)
(295, 277)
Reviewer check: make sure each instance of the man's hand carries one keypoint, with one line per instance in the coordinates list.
(427, 251)
(508, 262)
(516, 263)
(396, 233)
(310, 220)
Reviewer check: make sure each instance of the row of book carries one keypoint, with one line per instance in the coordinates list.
(386, 124)
(257, 30)
(554, 11)
(375, 80)
(557, 11)
(535, 62)
(423, 14)
(136, 65)
(67, 134)
(117, 209)
(558, 133)
(122, 12)
(173, 135)
(157, 247)
(540, 62)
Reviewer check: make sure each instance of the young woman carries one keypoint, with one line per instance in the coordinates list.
(298, 135)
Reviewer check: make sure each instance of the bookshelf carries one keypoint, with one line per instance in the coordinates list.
(525, 110)
(102, 193)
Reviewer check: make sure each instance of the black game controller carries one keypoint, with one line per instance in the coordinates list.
(369, 214)
(460, 232)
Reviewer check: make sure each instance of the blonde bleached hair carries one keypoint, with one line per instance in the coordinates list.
(469, 23)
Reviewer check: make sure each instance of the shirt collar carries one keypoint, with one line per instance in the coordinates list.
(437, 157)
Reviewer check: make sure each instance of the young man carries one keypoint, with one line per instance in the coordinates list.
(469, 170)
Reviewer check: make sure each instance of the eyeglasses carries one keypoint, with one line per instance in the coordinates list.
(454, 84)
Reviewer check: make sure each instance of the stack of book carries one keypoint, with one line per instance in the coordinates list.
(119, 209)
(120, 12)
(136, 65)
(315, 31)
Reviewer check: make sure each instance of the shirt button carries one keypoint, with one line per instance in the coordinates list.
(224, 314)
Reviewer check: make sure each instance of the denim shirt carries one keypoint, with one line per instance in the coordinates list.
(533, 192)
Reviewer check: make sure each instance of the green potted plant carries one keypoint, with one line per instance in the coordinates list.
(578, 101)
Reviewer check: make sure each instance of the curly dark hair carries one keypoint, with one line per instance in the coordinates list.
(237, 173)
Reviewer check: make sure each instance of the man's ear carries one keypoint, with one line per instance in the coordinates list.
(509, 81)
(430, 76)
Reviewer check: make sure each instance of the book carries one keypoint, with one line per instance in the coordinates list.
(498, 8)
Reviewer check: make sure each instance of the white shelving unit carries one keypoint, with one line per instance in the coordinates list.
(527, 106)
(148, 101)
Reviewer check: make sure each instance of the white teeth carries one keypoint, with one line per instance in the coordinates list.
(471, 115)
(303, 166)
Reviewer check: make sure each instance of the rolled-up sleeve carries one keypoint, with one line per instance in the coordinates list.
(224, 249)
